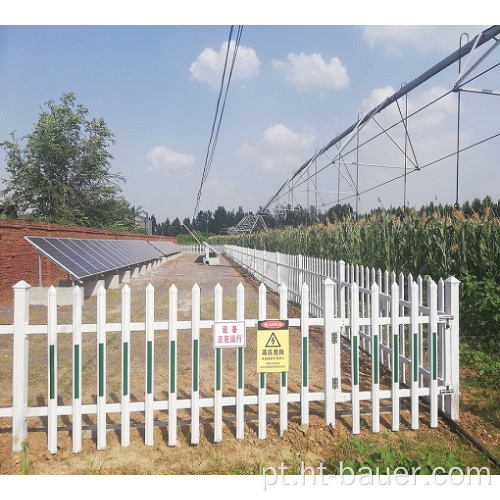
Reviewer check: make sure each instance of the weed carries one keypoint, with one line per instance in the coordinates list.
(387, 459)
(24, 463)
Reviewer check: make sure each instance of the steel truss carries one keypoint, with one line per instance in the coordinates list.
(249, 224)
(301, 188)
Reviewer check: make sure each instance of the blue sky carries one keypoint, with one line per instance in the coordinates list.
(294, 88)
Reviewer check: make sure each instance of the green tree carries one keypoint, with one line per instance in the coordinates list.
(60, 172)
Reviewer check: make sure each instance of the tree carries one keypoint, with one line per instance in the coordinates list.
(61, 171)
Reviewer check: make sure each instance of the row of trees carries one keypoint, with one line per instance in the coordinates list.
(205, 222)
(61, 171)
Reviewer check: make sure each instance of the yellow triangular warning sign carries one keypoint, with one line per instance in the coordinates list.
(273, 341)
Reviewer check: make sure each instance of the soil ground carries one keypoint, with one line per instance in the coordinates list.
(312, 444)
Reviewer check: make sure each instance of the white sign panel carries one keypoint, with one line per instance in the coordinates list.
(229, 334)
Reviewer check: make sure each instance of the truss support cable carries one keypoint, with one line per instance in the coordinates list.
(476, 42)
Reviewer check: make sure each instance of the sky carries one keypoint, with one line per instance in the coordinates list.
(294, 88)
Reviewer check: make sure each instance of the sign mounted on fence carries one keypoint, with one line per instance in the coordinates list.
(229, 334)
(272, 346)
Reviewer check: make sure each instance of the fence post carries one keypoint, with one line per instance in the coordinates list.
(172, 365)
(101, 368)
(278, 271)
(355, 358)
(395, 370)
(195, 363)
(432, 343)
(328, 330)
(264, 264)
(20, 365)
(414, 353)
(149, 356)
(125, 427)
(341, 290)
(77, 369)
(375, 341)
(218, 371)
(52, 370)
(262, 416)
(283, 295)
(301, 275)
(304, 327)
(452, 294)
(240, 367)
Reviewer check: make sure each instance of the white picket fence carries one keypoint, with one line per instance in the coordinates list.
(408, 326)
(410, 332)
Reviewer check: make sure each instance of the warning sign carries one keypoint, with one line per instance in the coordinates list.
(272, 346)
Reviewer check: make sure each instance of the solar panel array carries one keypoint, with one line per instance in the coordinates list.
(83, 258)
(166, 247)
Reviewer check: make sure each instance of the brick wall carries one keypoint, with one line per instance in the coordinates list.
(19, 259)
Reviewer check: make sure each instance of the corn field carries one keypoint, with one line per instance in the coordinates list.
(432, 245)
(454, 244)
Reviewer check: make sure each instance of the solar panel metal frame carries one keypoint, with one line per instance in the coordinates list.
(166, 247)
(85, 258)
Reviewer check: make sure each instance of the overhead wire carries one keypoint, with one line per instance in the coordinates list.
(222, 95)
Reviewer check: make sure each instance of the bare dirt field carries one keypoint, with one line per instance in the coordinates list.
(311, 445)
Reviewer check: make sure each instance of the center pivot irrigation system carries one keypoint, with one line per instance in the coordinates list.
(391, 122)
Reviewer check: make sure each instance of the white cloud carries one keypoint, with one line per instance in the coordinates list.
(442, 39)
(166, 162)
(312, 72)
(209, 66)
(279, 149)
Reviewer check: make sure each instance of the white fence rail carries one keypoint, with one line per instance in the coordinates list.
(410, 332)
(192, 249)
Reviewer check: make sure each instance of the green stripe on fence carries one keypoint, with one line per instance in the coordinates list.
(304, 361)
(283, 379)
(76, 371)
(434, 356)
(196, 375)
(395, 359)
(173, 382)
(355, 354)
(415, 357)
(240, 367)
(52, 372)
(150, 367)
(125, 369)
(101, 369)
(262, 380)
(375, 360)
(218, 369)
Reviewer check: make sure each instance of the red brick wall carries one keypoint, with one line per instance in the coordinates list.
(19, 259)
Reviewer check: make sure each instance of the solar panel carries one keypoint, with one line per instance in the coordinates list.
(83, 258)
(166, 247)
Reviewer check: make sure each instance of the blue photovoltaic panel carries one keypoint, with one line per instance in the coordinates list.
(83, 258)
(166, 247)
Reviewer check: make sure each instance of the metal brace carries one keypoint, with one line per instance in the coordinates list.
(446, 319)
(335, 337)
(335, 383)
(446, 389)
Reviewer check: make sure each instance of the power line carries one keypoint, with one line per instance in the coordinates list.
(223, 91)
